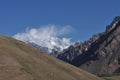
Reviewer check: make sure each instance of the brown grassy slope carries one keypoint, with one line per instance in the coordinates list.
(19, 61)
(112, 77)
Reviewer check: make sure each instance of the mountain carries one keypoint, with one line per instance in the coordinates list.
(46, 39)
(99, 55)
(19, 61)
(50, 45)
(75, 50)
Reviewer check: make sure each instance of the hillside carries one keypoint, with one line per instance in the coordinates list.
(113, 77)
(19, 61)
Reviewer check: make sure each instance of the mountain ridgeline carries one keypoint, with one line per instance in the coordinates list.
(99, 55)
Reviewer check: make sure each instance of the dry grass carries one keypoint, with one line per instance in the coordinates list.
(114, 77)
(19, 61)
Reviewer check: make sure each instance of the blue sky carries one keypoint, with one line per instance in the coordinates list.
(87, 17)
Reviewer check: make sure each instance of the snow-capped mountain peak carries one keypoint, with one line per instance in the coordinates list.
(46, 37)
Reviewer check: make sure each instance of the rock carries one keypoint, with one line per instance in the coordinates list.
(100, 54)
(75, 50)
(104, 52)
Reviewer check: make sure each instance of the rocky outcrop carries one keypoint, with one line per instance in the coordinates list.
(77, 49)
(100, 55)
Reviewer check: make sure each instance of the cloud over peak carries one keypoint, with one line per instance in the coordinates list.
(47, 36)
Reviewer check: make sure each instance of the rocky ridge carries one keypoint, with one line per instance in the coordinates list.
(99, 55)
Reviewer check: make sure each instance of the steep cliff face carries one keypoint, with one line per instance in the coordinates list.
(77, 49)
(100, 55)
(103, 56)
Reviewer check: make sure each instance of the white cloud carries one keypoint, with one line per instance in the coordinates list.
(47, 36)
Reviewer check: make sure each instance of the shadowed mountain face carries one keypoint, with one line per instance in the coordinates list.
(100, 55)
(19, 61)
(75, 50)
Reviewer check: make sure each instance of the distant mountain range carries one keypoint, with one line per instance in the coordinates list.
(100, 50)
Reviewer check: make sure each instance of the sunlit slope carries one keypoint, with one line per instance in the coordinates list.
(19, 61)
